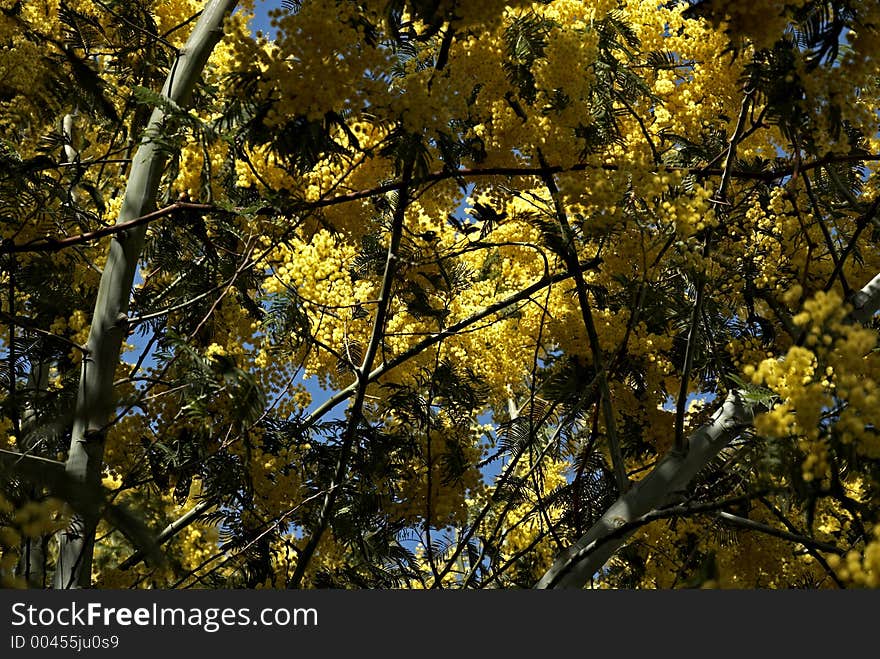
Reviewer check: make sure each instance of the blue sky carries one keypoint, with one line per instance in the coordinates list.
(261, 18)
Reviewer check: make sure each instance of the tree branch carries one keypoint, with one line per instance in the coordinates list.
(672, 473)
(432, 339)
(9, 460)
(52, 244)
(766, 529)
(170, 531)
(861, 223)
(573, 266)
(363, 376)
(477, 172)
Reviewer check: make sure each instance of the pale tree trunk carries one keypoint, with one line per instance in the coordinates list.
(586, 557)
(95, 398)
(71, 143)
(32, 561)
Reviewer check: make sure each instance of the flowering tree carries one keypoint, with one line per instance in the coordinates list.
(589, 289)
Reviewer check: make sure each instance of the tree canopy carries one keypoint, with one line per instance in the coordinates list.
(440, 294)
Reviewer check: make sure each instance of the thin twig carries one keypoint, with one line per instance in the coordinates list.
(170, 531)
(573, 266)
(694, 329)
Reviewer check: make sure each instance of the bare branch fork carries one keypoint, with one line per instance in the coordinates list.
(574, 567)
(363, 374)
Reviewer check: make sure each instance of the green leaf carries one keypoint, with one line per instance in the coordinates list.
(754, 395)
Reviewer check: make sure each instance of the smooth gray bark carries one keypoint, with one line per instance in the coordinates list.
(576, 565)
(866, 301)
(32, 561)
(671, 475)
(95, 399)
